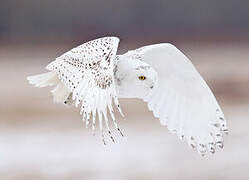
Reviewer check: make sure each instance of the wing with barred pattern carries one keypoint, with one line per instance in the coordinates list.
(87, 72)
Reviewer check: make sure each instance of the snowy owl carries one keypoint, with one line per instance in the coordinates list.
(93, 77)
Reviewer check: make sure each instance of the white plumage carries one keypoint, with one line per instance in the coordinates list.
(92, 76)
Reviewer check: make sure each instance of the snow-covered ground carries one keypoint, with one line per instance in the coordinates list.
(41, 140)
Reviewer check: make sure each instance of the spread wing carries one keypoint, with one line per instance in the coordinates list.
(182, 100)
(88, 73)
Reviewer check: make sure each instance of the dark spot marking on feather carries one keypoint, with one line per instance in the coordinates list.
(143, 67)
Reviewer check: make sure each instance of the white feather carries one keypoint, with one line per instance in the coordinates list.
(43, 80)
(84, 75)
(189, 108)
(180, 98)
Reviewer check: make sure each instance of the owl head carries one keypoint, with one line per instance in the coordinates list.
(134, 78)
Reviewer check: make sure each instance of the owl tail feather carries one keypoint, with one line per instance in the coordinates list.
(60, 92)
(43, 80)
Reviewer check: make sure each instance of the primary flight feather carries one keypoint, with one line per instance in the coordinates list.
(92, 76)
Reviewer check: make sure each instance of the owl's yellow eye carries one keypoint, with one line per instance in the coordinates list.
(141, 77)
